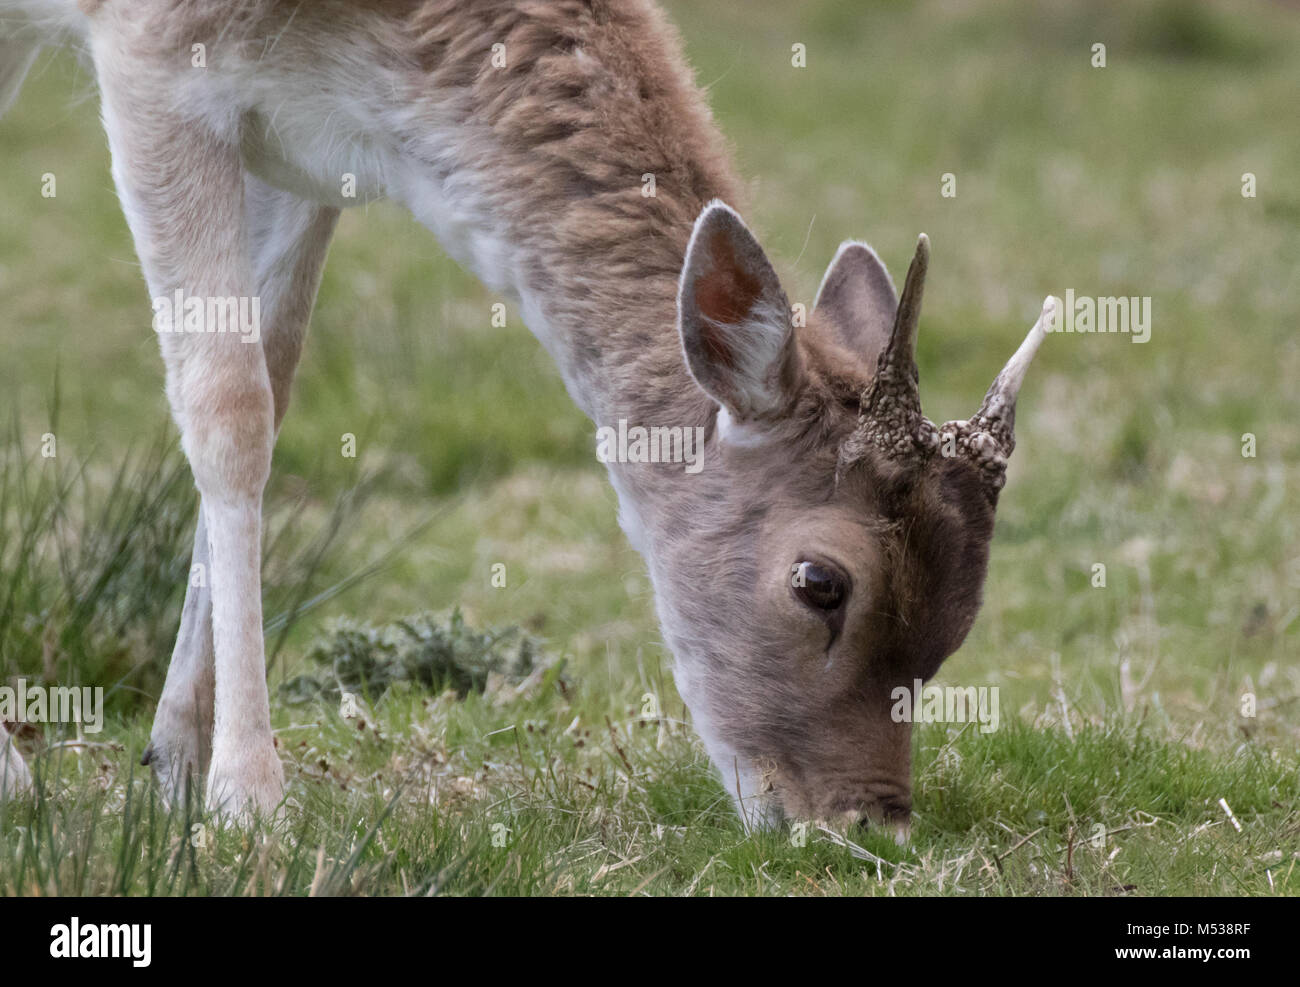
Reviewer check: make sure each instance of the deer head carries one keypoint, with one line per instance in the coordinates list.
(835, 545)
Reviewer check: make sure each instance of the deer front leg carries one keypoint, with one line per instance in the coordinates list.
(288, 241)
(181, 185)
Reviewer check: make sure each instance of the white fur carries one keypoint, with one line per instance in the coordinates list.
(15, 779)
(742, 435)
(629, 515)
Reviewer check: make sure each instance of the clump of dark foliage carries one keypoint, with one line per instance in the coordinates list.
(437, 653)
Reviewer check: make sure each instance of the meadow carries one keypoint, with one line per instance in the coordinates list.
(1172, 463)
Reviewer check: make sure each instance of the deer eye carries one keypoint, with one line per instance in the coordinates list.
(819, 586)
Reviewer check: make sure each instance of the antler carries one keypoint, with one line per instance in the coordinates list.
(891, 404)
(988, 437)
(891, 416)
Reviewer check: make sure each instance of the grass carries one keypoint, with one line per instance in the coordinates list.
(475, 796)
(1120, 704)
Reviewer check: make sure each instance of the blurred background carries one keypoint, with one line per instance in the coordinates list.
(1122, 180)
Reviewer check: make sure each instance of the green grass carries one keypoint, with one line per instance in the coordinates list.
(435, 794)
(1120, 705)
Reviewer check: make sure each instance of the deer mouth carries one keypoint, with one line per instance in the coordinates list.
(882, 803)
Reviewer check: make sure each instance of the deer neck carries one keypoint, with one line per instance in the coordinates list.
(570, 181)
(605, 307)
(608, 316)
(595, 279)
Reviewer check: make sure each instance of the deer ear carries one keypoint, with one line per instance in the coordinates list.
(734, 318)
(857, 298)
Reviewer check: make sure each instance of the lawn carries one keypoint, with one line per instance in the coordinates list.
(1121, 704)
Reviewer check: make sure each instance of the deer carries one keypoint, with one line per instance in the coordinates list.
(835, 543)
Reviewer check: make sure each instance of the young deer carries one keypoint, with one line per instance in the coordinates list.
(833, 546)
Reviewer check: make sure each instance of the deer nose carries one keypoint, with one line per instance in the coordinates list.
(891, 812)
(900, 826)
